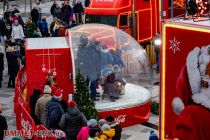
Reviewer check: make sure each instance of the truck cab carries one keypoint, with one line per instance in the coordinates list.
(118, 13)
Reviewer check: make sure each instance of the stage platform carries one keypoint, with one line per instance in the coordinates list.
(131, 108)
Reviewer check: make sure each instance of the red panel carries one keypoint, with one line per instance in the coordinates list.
(60, 59)
(144, 24)
(129, 116)
(188, 39)
(23, 119)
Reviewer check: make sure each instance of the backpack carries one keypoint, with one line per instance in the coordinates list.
(52, 116)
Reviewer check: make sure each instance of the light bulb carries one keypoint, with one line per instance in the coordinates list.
(43, 69)
(54, 73)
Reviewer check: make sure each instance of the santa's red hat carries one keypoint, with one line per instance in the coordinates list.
(58, 93)
(189, 81)
(72, 104)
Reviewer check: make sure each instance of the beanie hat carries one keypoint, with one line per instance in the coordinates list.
(36, 92)
(101, 122)
(110, 118)
(105, 127)
(92, 123)
(47, 89)
(58, 93)
(72, 104)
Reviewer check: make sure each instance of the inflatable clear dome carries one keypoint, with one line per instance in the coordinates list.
(100, 50)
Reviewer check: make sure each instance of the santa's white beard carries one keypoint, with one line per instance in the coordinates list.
(203, 97)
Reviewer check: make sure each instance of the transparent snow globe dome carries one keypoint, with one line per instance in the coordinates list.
(96, 46)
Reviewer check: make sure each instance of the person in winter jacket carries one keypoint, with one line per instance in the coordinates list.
(39, 7)
(83, 133)
(107, 133)
(57, 26)
(87, 3)
(43, 26)
(3, 124)
(153, 136)
(35, 15)
(17, 31)
(12, 55)
(1, 64)
(7, 13)
(95, 59)
(113, 124)
(72, 121)
(30, 28)
(54, 111)
(57, 12)
(93, 133)
(78, 11)
(53, 8)
(33, 100)
(18, 17)
(66, 10)
(42, 103)
(2, 29)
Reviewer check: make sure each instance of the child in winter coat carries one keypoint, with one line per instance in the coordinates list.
(93, 133)
(83, 133)
(107, 133)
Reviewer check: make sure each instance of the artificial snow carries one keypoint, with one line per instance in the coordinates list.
(134, 96)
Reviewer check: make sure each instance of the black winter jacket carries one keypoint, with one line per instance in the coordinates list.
(3, 126)
(54, 113)
(118, 131)
(71, 122)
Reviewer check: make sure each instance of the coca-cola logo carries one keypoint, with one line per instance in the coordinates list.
(121, 119)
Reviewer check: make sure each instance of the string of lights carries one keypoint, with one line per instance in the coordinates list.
(203, 7)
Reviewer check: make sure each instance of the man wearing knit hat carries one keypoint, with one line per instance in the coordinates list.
(54, 110)
(72, 121)
(83, 133)
(113, 124)
(41, 104)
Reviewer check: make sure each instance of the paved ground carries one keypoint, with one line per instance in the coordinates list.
(137, 132)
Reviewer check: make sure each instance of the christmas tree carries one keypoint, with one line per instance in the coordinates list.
(83, 99)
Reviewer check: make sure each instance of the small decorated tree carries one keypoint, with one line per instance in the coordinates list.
(83, 99)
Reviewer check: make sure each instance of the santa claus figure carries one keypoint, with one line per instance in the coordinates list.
(193, 104)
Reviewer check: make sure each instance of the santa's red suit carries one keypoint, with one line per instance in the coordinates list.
(193, 122)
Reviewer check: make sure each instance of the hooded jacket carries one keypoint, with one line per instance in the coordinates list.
(83, 134)
(71, 122)
(107, 135)
(54, 113)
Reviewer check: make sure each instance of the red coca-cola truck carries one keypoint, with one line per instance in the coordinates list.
(118, 13)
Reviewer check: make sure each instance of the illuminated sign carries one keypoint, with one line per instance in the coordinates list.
(104, 0)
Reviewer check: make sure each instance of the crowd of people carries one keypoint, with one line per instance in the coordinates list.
(13, 31)
(55, 113)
